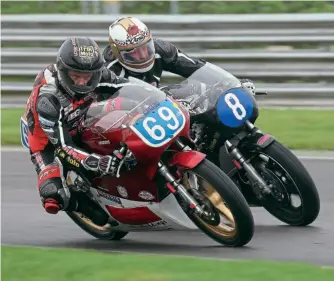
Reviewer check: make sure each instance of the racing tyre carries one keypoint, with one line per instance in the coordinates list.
(227, 218)
(100, 232)
(294, 199)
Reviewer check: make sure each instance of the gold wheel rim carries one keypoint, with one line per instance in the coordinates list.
(86, 220)
(223, 229)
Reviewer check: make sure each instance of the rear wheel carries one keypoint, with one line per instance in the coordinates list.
(100, 232)
(227, 218)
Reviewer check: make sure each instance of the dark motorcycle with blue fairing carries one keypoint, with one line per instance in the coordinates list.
(223, 116)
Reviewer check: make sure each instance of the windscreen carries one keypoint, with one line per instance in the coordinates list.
(204, 86)
(126, 106)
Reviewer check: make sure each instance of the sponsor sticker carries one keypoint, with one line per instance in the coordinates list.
(86, 51)
(145, 195)
(104, 142)
(160, 223)
(109, 197)
(122, 191)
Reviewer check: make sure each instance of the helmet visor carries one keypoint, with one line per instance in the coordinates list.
(81, 82)
(140, 54)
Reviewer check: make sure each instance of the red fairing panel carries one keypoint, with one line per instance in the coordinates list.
(187, 159)
(134, 216)
(133, 181)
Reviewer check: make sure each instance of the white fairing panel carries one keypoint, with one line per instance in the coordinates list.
(171, 214)
(170, 210)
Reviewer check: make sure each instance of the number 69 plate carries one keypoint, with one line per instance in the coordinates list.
(160, 125)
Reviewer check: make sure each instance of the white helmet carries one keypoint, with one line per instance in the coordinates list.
(132, 44)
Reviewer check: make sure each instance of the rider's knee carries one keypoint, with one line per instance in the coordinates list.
(49, 181)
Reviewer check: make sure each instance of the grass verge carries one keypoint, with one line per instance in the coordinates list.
(24, 263)
(163, 7)
(298, 129)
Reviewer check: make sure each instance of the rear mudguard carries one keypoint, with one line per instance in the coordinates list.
(187, 159)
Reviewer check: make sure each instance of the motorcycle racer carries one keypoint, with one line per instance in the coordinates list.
(133, 51)
(61, 94)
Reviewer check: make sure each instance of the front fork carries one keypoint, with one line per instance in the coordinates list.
(175, 187)
(259, 186)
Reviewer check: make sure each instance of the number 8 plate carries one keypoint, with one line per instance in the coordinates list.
(160, 125)
(234, 107)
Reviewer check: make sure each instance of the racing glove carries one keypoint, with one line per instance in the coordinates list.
(106, 164)
(248, 84)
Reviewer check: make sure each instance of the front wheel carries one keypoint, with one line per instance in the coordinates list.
(294, 199)
(227, 218)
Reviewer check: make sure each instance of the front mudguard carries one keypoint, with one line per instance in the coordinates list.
(249, 145)
(258, 142)
(187, 159)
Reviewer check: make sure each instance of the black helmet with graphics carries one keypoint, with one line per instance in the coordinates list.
(79, 65)
(132, 44)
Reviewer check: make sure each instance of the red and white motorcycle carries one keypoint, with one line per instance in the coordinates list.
(161, 184)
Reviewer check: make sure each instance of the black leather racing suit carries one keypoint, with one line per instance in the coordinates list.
(167, 58)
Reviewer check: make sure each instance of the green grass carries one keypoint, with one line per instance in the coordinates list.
(10, 126)
(29, 79)
(162, 7)
(32, 264)
(298, 129)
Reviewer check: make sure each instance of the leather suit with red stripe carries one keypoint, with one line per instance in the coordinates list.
(53, 117)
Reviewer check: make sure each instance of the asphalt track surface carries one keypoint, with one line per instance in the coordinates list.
(25, 223)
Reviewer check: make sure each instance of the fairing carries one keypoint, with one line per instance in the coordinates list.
(208, 78)
(139, 115)
(134, 199)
